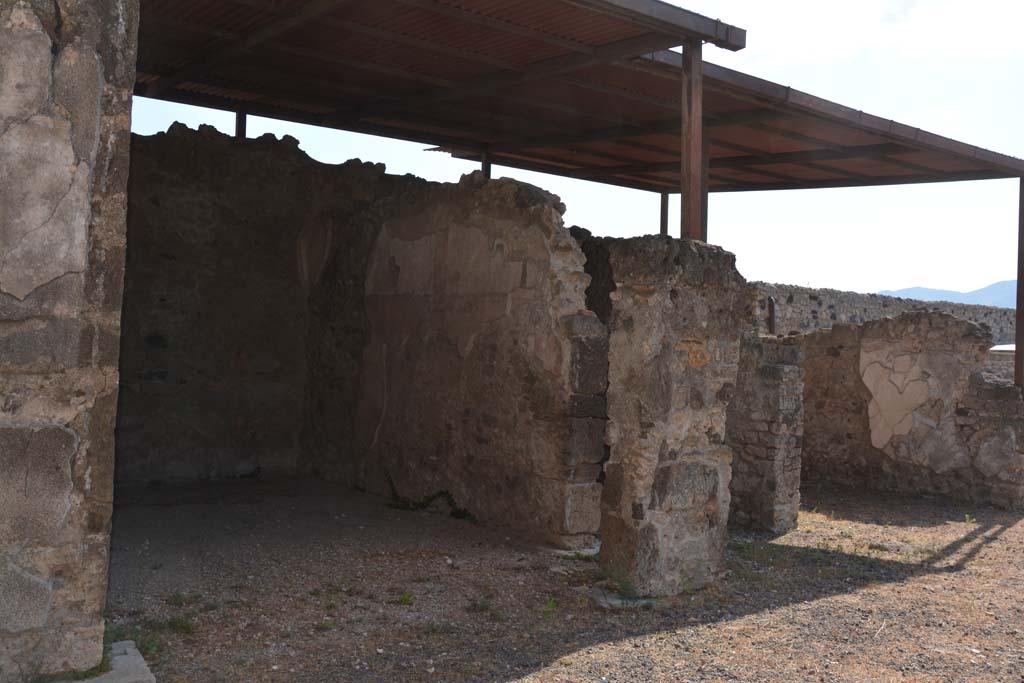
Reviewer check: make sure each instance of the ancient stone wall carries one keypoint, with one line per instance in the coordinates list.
(472, 298)
(765, 431)
(901, 404)
(1000, 364)
(801, 309)
(677, 310)
(287, 317)
(213, 352)
(66, 75)
(837, 438)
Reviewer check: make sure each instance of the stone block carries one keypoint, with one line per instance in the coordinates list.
(588, 405)
(35, 482)
(590, 365)
(583, 508)
(587, 439)
(60, 298)
(584, 324)
(40, 345)
(26, 601)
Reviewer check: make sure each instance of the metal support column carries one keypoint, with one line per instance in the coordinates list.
(691, 136)
(485, 164)
(1018, 354)
(705, 169)
(664, 213)
(240, 125)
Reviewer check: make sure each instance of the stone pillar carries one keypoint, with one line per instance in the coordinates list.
(765, 431)
(678, 309)
(588, 420)
(66, 74)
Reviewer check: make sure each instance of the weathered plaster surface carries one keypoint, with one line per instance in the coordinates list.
(901, 404)
(471, 293)
(66, 74)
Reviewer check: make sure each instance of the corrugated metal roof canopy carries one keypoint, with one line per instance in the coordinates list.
(558, 86)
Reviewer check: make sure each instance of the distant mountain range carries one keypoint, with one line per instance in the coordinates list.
(1002, 294)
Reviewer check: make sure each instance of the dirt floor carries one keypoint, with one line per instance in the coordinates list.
(304, 582)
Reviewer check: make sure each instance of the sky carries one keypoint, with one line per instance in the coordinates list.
(947, 66)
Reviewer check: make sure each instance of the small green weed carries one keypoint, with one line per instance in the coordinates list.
(327, 624)
(626, 588)
(183, 599)
(181, 624)
(405, 598)
(550, 606)
(584, 557)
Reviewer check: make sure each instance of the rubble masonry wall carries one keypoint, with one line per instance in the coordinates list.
(287, 317)
(213, 352)
(901, 404)
(802, 309)
(66, 75)
(765, 432)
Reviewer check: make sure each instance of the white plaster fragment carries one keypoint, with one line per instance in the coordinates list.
(44, 216)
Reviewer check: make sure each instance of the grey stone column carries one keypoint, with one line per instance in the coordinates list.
(678, 309)
(765, 431)
(66, 74)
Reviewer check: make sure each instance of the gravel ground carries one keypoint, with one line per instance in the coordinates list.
(303, 582)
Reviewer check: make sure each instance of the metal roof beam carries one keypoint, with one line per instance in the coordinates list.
(499, 25)
(663, 17)
(766, 93)
(239, 47)
(273, 111)
(670, 126)
(545, 68)
(873, 181)
(639, 183)
(863, 151)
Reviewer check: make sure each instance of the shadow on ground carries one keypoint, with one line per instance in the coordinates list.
(887, 508)
(303, 582)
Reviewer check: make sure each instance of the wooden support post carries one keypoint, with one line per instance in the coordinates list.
(485, 164)
(240, 125)
(1018, 354)
(705, 170)
(664, 213)
(691, 134)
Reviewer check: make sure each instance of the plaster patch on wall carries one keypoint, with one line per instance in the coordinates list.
(44, 217)
(898, 388)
